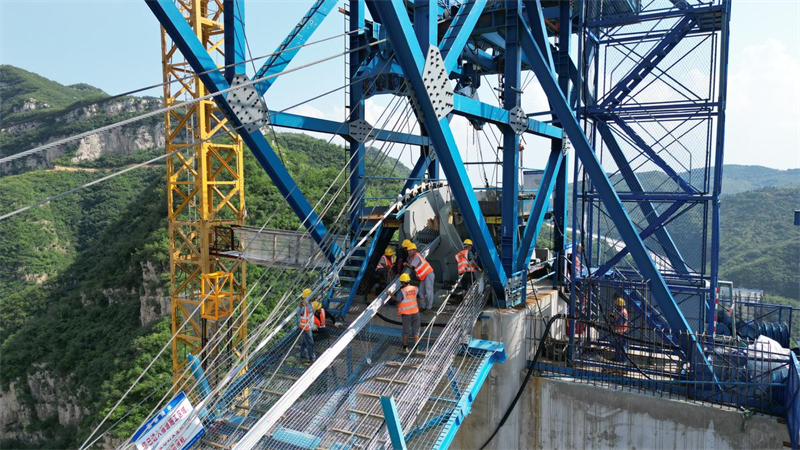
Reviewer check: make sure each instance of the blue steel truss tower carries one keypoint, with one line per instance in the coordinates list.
(636, 93)
(654, 90)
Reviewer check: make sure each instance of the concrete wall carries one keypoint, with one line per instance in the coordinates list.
(559, 414)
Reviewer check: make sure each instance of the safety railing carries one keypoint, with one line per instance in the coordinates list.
(282, 248)
(754, 377)
(754, 319)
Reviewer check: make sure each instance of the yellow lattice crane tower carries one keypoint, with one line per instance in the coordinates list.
(205, 198)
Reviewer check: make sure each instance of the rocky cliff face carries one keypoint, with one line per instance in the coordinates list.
(38, 398)
(141, 135)
(43, 396)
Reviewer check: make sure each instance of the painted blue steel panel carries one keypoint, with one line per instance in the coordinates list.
(616, 210)
(410, 57)
(201, 62)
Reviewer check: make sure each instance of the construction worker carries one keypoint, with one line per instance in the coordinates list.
(384, 270)
(408, 310)
(305, 319)
(620, 323)
(322, 331)
(466, 265)
(425, 275)
(402, 256)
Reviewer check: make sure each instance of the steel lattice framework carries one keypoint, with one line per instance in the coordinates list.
(640, 105)
(206, 193)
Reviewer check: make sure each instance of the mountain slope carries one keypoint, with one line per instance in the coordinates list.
(737, 178)
(83, 306)
(25, 94)
(760, 245)
(36, 111)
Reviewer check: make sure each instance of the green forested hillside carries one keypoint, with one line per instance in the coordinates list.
(26, 94)
(760, 245)
(70, 300)
(737, 178)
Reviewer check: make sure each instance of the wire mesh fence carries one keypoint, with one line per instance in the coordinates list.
(342, 406)
(751, 376)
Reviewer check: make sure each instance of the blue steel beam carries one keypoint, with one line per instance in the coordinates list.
(298, 36)
(411, 59)
(614, 206)
(536, 22)
(235, 44)
(393, 425)
(566, 75)
(457, 35)
(718, 166)
(464, 406)
(427, 32)
(509, 202)
(357, 106)
(299, 122)
(201, 62)
(539, 208)
(649, 211)
(474, 109)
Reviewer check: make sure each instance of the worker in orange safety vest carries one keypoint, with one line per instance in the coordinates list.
(305, 321)
(408, 310)
(620, 321)
(385, 268)
(425, 275)
(320, 319)
(466, 265)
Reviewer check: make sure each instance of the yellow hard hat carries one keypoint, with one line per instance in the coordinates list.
(306, 293)
(406, 243)
(620, 301)
(389, 252)
(317, 305)
(412, 246)
(404, 278)
(467, 241)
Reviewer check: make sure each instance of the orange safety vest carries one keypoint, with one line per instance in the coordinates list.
(319, 321)
(421, 267)
(408, 305)
(622, 321)
(464, 264)
(385, 262)
(305, 318)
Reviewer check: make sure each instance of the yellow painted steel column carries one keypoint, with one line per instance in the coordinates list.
(205, 196)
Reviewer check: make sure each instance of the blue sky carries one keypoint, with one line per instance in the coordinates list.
(115, 45)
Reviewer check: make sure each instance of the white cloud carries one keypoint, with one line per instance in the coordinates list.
(763, 111)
